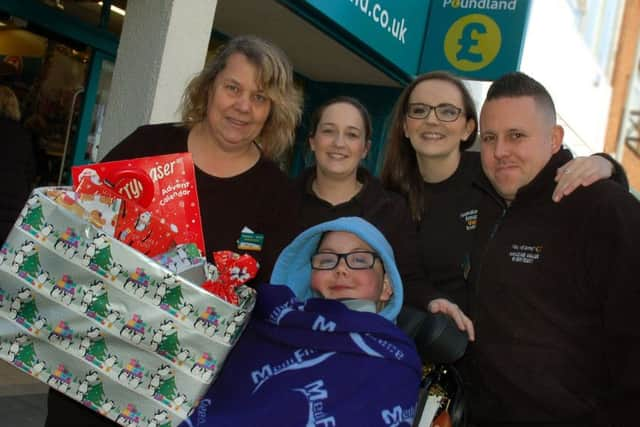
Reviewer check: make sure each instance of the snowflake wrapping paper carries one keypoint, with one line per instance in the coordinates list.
(105, 325)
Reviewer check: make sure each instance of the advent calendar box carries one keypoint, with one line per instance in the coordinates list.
(160, 208)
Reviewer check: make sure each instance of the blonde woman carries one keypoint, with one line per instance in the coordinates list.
(238, 115)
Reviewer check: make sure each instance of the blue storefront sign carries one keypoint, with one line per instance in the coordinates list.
(395, 29)
(475, 39)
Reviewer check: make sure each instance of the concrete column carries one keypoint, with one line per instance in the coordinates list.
(162, 45)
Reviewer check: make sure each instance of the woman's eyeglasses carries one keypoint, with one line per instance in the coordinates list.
(358, 260)
(444, 112)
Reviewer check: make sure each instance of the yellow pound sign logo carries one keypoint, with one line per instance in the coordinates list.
(472, 42)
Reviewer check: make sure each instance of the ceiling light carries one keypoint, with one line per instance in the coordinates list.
(115, 9)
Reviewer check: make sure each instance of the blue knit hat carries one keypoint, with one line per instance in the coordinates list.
(293, 267)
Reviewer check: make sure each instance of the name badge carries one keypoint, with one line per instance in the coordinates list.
(250, 241)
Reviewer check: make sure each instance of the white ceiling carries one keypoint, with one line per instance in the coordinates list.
(313, 54)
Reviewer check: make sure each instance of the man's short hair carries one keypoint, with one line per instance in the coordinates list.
(517, 84)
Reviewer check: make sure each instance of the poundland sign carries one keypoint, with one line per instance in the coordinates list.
(475, 39)
(393, 28)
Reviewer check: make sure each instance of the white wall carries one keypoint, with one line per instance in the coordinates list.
(556, 55)
(162, 46)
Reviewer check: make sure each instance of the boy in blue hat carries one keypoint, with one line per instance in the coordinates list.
(346, 268)
(322, 347)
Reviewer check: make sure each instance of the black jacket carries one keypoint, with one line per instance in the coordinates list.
(554, 308)
(447, 229)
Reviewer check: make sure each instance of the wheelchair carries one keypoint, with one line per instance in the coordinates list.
(440, 344)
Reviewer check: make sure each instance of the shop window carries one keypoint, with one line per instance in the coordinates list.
(48, 78)
(52, 106)
(97, 118)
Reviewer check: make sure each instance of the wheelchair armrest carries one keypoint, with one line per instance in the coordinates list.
(436, 336)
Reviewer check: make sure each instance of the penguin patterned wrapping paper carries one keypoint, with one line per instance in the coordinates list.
(104, 324)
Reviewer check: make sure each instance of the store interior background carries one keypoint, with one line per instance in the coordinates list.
(48, 72)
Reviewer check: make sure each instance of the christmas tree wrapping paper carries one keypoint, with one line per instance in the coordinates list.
(104, 324)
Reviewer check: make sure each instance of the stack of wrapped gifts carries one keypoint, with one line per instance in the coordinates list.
(102, 297)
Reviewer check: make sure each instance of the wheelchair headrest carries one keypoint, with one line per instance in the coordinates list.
(436, 336)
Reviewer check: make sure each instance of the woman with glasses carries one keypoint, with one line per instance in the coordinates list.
(322, 347)
(337, 186)
(434, 123)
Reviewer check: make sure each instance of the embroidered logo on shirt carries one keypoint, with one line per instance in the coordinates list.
(525, 254)
(470, 219)
(315, 393)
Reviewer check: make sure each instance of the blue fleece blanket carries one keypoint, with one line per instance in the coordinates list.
(314, 364)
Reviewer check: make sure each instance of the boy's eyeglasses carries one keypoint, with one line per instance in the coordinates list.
(444, 112)
(358, 260)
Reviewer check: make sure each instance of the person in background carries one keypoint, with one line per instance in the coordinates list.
(556, 286)
(239, 115)
(427, 160)
(37, 126)
(321, 347)
(337, 186)
(18, 171)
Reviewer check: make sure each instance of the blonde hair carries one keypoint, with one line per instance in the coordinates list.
(9, 106)
(275, 76)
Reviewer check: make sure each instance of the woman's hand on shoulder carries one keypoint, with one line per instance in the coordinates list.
(442, 305)
(581, 171)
